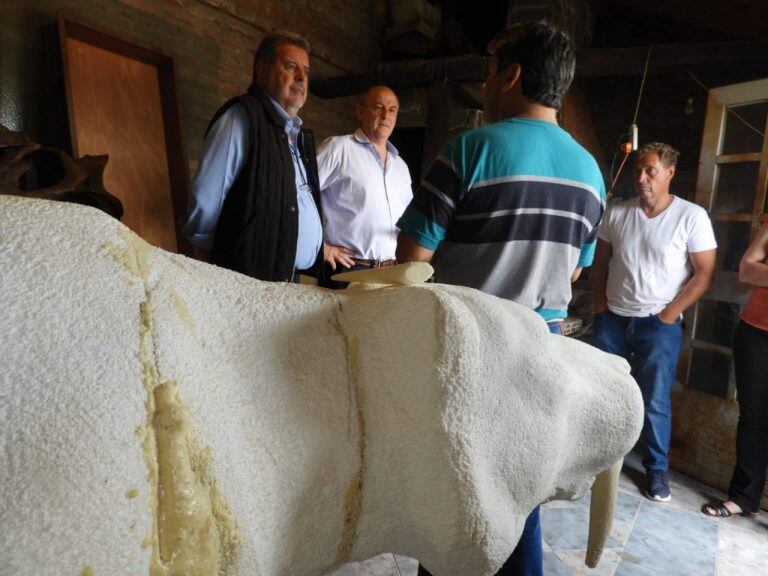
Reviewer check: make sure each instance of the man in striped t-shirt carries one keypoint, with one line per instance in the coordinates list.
(512, 208)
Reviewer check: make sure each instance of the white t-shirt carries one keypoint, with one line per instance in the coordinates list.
(650, 263)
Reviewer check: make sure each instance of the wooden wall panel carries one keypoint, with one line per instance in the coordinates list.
(704, 438)
(117, 111)
(576, 119)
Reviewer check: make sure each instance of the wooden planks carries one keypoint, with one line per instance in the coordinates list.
(116, 109)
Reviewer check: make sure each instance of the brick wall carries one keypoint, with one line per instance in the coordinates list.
(212, 43)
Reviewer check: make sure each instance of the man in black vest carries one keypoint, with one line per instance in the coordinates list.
(254, 203)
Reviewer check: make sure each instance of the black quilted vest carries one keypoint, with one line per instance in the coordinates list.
(258, 227)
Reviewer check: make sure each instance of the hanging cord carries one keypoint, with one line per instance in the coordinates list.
(615, 155)
(642, 84)
(634, 123)
(730, 110)
(616, 178)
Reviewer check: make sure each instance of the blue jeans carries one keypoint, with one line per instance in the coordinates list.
(652, 348)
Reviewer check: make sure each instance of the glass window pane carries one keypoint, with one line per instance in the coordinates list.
(716, 321)
(736, 187)
(732, 242)
(740, 138)
(710, 372)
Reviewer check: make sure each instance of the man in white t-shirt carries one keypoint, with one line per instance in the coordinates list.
(655, 257)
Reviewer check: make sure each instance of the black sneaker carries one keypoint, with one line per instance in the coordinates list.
(658, 486)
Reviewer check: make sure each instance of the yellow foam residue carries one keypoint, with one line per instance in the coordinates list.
(88, 571)
(132, 493)
(183, 311)
(193, 532)
(188, 541)
(133, 254)
(353, 494)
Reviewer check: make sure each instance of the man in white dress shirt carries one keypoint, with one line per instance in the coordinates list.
(365, 187)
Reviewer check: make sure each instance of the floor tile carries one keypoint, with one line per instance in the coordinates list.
(568, 529)
(670, 542)
(632, 566)
(566, 504)
(627, 506)
(406, 566)
(742, 552)
(553, 566)
(381, 565)
(574, 560)
(632, 479)
(620, 531)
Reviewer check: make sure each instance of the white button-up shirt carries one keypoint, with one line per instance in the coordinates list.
(362, 198)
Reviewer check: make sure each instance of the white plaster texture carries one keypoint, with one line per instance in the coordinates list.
(445, 413)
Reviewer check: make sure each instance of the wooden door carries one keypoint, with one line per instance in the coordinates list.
(731, 186)
(117, 95)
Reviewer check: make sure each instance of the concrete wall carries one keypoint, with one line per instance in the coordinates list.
(212, 43)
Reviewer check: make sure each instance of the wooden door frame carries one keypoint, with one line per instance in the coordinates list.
(70, 25)
(712, 155)
(726, 285)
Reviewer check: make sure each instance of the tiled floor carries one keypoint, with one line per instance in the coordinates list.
(648, 538)
(655, 539)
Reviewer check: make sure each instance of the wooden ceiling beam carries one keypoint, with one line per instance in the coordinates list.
(670, 58)
(665, 59)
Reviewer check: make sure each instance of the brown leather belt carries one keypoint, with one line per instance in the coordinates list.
(373, 263)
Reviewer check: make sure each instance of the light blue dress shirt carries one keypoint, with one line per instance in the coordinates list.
(222, 158)
(310, 228)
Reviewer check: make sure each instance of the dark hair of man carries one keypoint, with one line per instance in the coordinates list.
(267, 50)
(547, 59)
(665, 152)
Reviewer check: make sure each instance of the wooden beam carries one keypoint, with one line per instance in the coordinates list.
(438, 128)
(404, 74)
(468, 95)
(738, 158)
(665, 59)
(670, 58)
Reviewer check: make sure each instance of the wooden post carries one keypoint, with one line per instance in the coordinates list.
(438, 119)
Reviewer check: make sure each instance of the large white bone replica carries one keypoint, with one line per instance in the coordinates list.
(163, 416)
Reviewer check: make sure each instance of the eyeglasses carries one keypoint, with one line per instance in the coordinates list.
(292, 67)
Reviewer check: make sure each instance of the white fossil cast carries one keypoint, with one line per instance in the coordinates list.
(163, 416)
